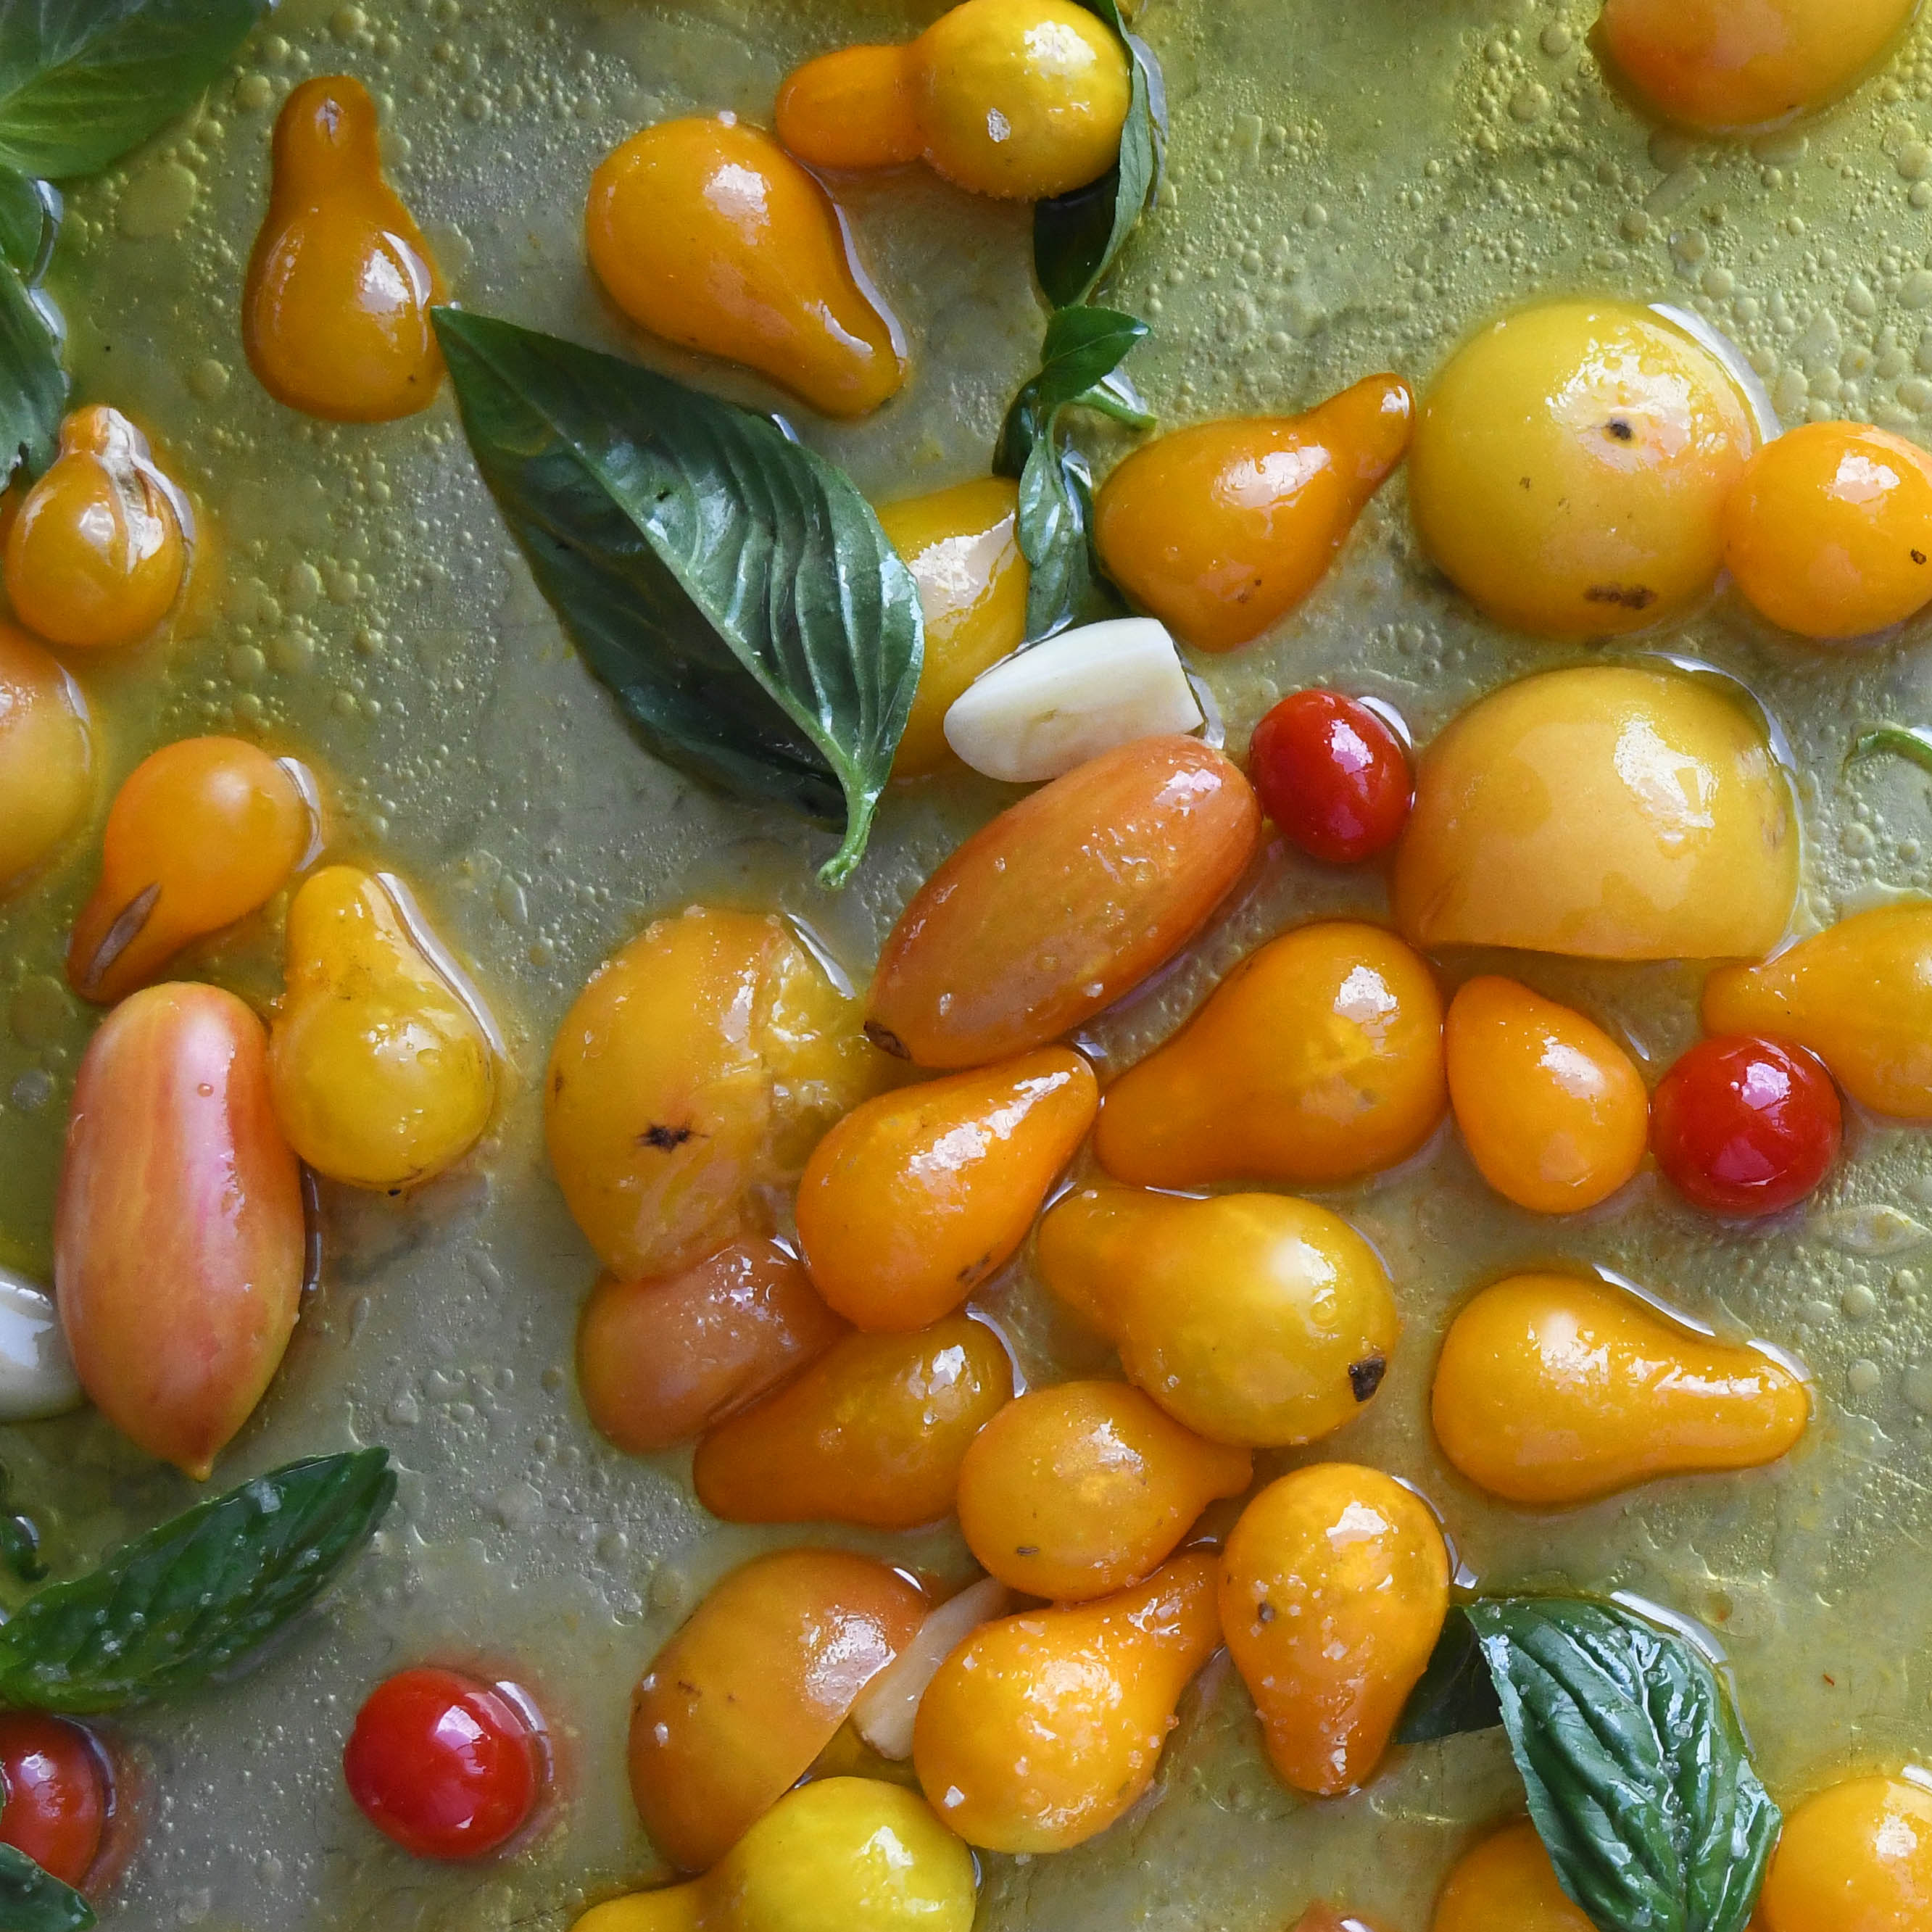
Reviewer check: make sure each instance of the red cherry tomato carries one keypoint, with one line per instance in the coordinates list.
(448, 1767)
(1746, 1125)
(1333, 776)
(56, 1793)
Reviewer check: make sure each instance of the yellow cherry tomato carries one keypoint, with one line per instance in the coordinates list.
(676, 1908)
(1022, 99)
(1334, 1589)
(913, 1200)
(1552, 1390)
(1252, 1318)
(1713, 65)
(1318, 1060)
(1828, 531)
(1220, 530)
(1081, 1490)
(1553, 1110)
(336, 317)
(96, 554)
(1604, 811)
(844, 1855)
(46, 756)
(1064, 903)
(707, 232)
(699, 1067)
(1041, 1729)
(200, 834)
(1858, 994)
(1508, 1884)
(962, 546)
(1857, 1858)
(1570, 465)
(873, 1432)
(383, 1062)
(734, 1709)
(659, 1362)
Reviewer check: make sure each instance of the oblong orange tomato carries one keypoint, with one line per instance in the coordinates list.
(873, 1432)
(734, 1708)
(659, 1362)
(915, 1198)
(1064, 903)
(179, 1237)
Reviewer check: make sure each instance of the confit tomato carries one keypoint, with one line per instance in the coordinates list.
(57, 1792)
(1333, 775)
(1746, 1125)
(447, 1766)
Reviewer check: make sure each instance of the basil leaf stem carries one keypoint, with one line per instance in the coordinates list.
(20, 1537)
(733, 589)
(1078, 237)
(1913, 742)
(32, 1899)
(197, 1596)
(82, 82)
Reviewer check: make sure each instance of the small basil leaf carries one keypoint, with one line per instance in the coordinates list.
(197, 1596)
(1904, 741)
(1078, 237)
(33, 385)
(1056, 518)
(1079, 366)
(35, 1900)
(734, 590)
(29, 219)
(1456, 1694)
(83, 81)
(1639, 1779)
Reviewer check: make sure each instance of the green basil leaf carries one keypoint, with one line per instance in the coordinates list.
(1638, 1779)
(196, 1596)
(1078, 237)
(1911, 742)
(83, 81)
(1080, 367)
(29, 219)
(35, 1900)
(734, 590)
(33, 385)
(1056, 522)
(1456, 1694)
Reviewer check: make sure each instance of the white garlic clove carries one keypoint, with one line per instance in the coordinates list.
(886, 1709)
(1053, 706)
(36, 1377)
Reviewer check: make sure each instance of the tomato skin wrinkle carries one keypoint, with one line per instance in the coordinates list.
(446, 1766)
(1333, 775)
(1746, 1125)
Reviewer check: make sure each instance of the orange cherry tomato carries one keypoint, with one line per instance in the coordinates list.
(914, 1199)
(1064, 903)
(873, 1432)
(736, 1708)
(659, 1362)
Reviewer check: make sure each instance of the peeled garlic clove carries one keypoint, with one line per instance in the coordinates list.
(36, 1377)
(1045, 709)
(886, 1709)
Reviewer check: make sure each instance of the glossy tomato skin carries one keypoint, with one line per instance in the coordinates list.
(448, 1767)
(1746, 1125)
(1333, 775)
(58, 1792)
